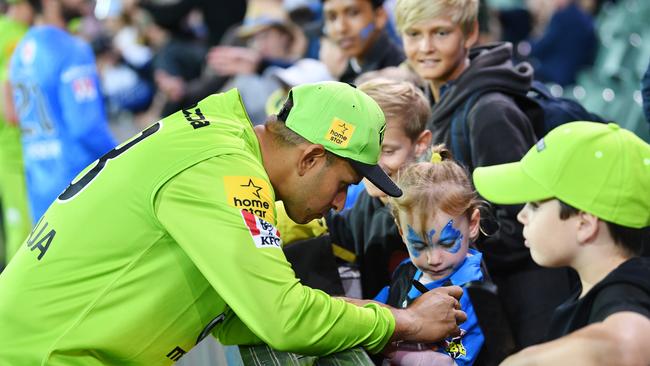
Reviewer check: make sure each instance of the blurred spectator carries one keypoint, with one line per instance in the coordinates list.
(218, 15)
(308, 15)
(516, 24)
(179, 18)
(13, 196)
(124, 86)
(58, 103)
(567, 45)
(358, 28)
(178, 59)
(272, 41)
(121, 26)
(306, 70)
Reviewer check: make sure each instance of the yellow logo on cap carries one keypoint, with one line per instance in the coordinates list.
(340, 132)
(251, 194)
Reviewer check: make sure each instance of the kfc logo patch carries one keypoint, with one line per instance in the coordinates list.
(264, 234)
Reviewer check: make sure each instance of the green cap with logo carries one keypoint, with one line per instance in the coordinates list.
(598, 168)
(346, 121)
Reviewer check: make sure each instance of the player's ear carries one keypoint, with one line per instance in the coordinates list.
(311, 156)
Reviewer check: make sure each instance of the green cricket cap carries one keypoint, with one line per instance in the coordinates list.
(346, 121)
(598, 168)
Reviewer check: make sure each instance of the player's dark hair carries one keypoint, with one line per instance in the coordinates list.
(286, 136)
(634, 241)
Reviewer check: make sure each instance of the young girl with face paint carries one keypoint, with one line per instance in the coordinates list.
(438, 217)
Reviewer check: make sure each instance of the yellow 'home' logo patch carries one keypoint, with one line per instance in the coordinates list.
(340, 132)
(251, 194)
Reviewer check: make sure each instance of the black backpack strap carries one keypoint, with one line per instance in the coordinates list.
(460, 145)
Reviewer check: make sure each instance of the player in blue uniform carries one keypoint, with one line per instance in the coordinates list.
(56, 92)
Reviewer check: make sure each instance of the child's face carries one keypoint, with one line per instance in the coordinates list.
(437, 49)
(436, 244)
(548, 237)
(352, 24)
(397, 150)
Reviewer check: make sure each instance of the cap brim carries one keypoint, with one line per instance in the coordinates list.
(508, 184)
(377, 176)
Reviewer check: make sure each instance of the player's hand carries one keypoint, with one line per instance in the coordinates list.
(228, 61)
(432, 317)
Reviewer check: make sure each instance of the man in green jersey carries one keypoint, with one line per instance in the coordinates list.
(13, 195)
(170, 237)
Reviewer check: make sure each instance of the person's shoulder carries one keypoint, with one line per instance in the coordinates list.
(625, 289)
(80, 46)
(620, 297)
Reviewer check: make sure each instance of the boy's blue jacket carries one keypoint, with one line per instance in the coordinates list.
(464, 350)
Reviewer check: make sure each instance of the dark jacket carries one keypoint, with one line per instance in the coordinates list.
(383, 53)
(499, 132)
(368, 230)
(626, 288)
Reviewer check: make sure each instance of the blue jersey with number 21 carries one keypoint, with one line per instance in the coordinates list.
(64, 128)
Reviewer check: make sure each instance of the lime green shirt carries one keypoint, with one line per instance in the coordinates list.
(11, 32)
(159, 240)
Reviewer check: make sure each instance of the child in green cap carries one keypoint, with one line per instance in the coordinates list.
(586, 187)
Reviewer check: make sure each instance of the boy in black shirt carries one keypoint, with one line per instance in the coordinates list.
(588, 208)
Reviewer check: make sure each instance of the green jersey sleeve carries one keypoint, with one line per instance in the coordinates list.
(234, 332)
(217, 212)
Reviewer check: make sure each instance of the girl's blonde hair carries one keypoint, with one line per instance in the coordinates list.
(400, 101)
(462, 12)
(444, 185)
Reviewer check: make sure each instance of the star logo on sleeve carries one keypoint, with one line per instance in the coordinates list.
(254, 188)
(253, 194)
